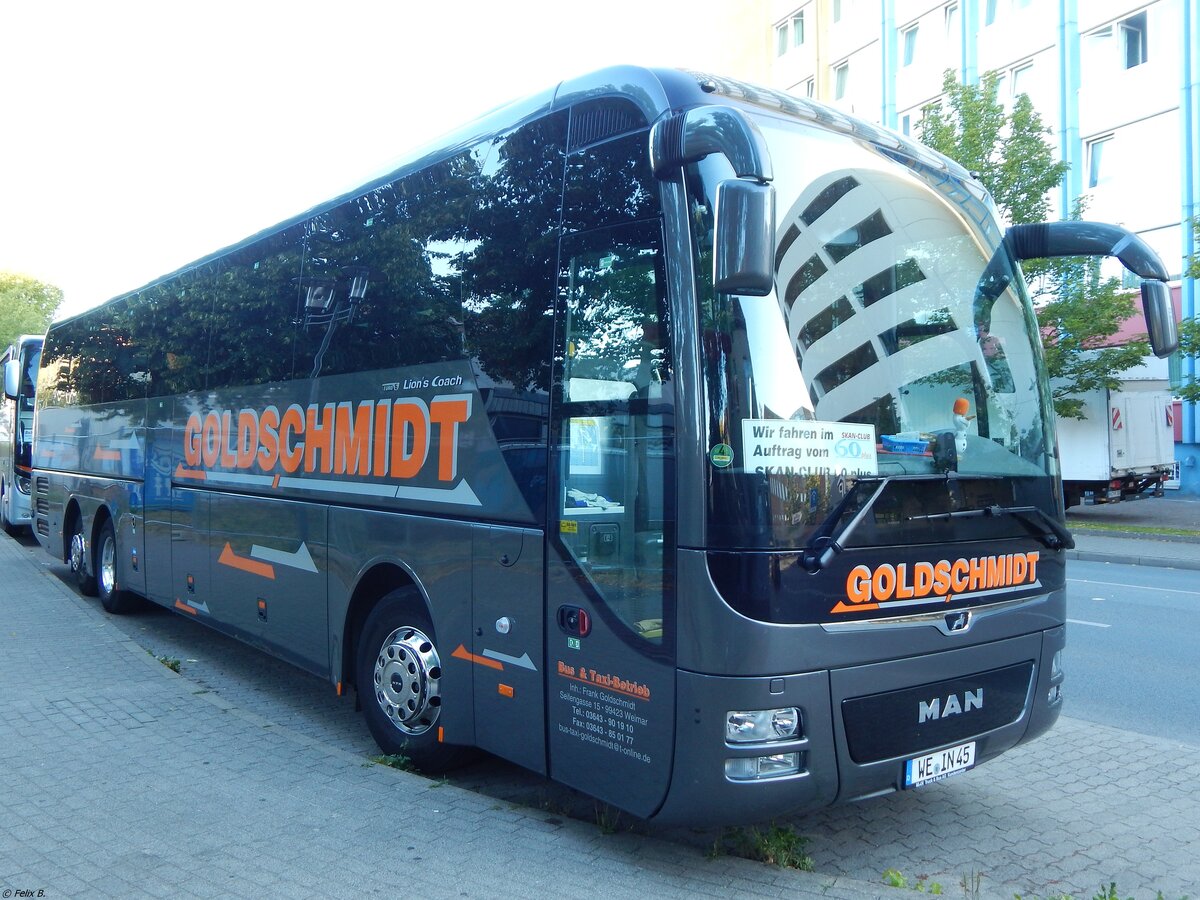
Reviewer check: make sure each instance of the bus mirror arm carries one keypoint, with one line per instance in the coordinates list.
(744, 230)
(1075, 238)
(692, 135)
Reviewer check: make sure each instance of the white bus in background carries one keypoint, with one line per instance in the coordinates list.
(20, 365)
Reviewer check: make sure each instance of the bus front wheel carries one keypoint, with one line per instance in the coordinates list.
(399, 673)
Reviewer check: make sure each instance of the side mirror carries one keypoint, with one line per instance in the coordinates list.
(12, 379)
(1160, 318)
(744, 230)
(744, 241)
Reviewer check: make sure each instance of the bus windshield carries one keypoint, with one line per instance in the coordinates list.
(899, 343)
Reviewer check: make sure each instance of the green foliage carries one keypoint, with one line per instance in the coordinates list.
(395, 761)
(777, 845)
(26, 306)
(1009, 152)
(1077, 310)
(169, 661)
(894, 878)
(1189, 331)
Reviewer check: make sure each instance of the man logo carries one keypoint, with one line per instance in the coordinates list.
(952, 706)
(958, 621)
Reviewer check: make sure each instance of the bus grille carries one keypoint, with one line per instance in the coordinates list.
(912, 720)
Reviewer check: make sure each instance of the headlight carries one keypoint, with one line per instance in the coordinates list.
(758, 725)
(23, 484)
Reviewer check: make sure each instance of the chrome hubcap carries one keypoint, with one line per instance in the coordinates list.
(78, 552)
(407, 673)
(108, 566)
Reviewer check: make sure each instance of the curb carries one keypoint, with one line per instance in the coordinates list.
(1132, 559)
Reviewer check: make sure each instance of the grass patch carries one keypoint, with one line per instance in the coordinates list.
(394, 761)
(777, 845)
(1132, 529)
(894, 878)
(169, 661)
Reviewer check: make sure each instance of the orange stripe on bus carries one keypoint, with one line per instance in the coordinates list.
(254, 567)
(194, 474)
(463, 653)
(183, 607)
(107, 455)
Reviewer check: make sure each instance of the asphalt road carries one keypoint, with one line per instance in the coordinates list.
(1131, 648)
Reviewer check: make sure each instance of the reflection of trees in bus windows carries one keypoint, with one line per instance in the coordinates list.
(615, 428)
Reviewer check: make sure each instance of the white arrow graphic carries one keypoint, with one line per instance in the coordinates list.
(301, 559)
(524, 661)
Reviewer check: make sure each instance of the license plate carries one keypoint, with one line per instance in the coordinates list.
(936, 766)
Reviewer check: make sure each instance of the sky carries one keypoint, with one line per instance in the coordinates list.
(138, 136)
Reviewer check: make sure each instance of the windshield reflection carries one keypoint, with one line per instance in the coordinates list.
(899, 332)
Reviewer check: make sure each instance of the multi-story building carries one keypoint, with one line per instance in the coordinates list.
(1117, 82)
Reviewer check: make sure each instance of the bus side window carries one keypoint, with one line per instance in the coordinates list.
(614, 426)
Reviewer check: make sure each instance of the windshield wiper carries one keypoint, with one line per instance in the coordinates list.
(1052, 533)
(822, 546)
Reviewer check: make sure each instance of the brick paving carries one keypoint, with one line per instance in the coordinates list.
(247, 777)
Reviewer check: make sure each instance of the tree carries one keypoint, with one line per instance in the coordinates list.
(26, 306)
(1077, 310)
(1189, 332)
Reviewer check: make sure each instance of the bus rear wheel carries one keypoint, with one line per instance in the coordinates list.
(399, 672)
(78, 558)
(112, 598)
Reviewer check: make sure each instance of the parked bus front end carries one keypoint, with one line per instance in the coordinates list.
(873, 590)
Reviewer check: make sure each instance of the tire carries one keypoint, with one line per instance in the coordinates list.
(8, 526)
(112, 598)
(85, 581)
(399, 675)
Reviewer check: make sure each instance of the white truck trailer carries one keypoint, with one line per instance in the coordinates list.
(1124, 449)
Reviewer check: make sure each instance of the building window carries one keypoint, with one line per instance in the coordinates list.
(1133, 40)
(1095, 160)
(950, 16)
(909, 36)
(810, 87)
(1022, 80)
(781, 39)
(841, 80)
(906, 125)
(798, 29)
(837, 10)
(989, 12)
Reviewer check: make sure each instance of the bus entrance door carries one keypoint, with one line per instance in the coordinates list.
(611, 536)
(508, 675)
